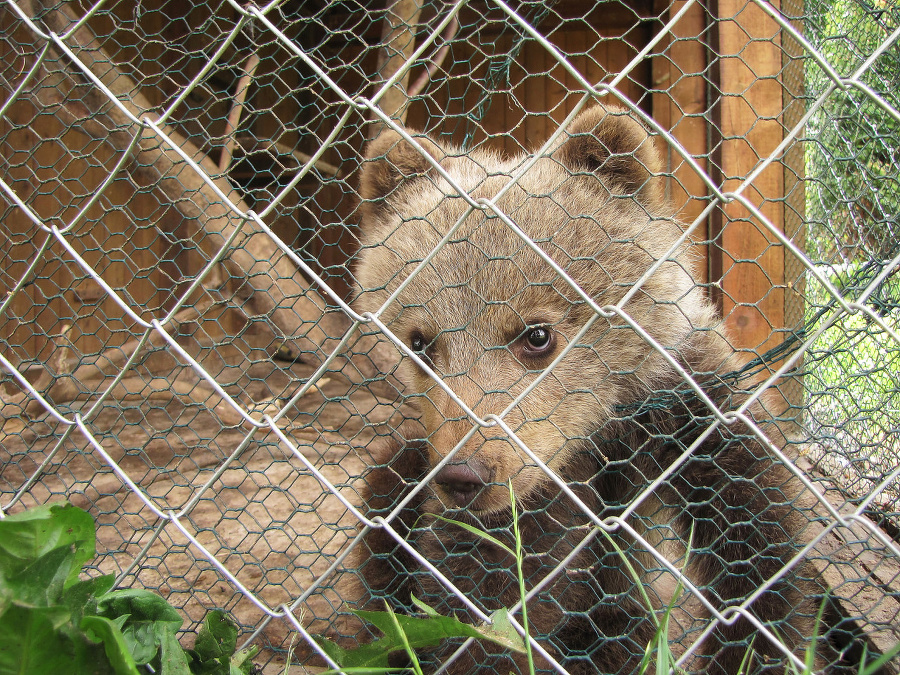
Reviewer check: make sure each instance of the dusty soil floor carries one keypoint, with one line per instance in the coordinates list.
(243, 522)
(244, 496)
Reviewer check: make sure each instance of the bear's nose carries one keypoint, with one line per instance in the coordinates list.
(461, 482)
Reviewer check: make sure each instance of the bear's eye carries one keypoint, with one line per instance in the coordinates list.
(417, 342)
(537, 340)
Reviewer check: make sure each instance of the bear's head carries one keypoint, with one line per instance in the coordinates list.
(492, 270)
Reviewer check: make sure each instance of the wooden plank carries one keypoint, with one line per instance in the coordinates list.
(119, 235)
(863, 574)
(535, 94)
(679, 104)
(749, 49)
(577, 45)
(18, 238)
(794, 197)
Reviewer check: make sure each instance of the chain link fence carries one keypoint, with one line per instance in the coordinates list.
(182, 355)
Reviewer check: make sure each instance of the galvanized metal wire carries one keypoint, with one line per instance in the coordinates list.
(239, 489)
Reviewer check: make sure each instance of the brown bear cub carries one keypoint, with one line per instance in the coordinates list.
(494, 272)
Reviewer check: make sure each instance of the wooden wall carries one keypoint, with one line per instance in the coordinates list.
(726, 110)
(541, 92)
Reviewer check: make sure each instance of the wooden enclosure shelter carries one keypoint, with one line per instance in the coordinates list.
(101, 231)
(724, 82)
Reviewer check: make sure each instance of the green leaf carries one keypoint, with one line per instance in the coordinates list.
(420, 632)
(141, 604)
(373, 654)
(217, 637)
(25, 537)
(147, 620)
(173, 659)
(31, 642)
(215, 650)
(38, 582)
(499, 631)
(109, 633)
(426, 609)
(407, 647)
(53, 622)
(81, 597)
(143, 638)
(240, 663)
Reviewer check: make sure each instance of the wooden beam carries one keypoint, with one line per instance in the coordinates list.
(398, 42)
(679, 104)
(750, 128)
(792, 78)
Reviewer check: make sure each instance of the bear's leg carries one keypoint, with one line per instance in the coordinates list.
(620, 620)
(745, 531)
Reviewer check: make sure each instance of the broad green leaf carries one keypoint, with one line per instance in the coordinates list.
(173, 659)
(500, 630)
(373, 654)
(38, 582)
(147, 620)
(143, 638)
(217, 638)
(26, 536)
(425, 608)
(31, 642)
(407, 647)
(81, 597)
(109, 633)
(215, 645)
(141, 604)
(54, 623)
(240, 663)
(214, 652)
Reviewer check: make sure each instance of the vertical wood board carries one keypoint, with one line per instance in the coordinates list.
(750, 62)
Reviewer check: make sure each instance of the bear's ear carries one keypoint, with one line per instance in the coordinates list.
(389, 161)
(608, 142)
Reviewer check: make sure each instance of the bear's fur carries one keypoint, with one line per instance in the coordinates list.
(489, 314)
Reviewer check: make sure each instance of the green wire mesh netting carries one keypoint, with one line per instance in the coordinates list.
(185, 354)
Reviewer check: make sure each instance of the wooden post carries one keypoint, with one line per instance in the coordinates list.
(750, 128)
(398, 42)
(728, 87)
(680, 105)
(794, 200)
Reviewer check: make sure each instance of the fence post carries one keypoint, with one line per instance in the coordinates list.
(680, 105)
(794, 102)
(747, 258)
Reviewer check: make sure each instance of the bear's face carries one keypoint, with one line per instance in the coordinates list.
(489, 314)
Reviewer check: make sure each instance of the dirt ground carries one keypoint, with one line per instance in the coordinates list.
(243, 522)
(246, 524)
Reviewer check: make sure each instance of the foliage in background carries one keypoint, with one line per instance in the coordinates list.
(853, 191)
(54, 621)
(852, 377)
(853, 231)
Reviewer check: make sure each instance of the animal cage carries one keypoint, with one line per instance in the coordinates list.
(183, 355)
